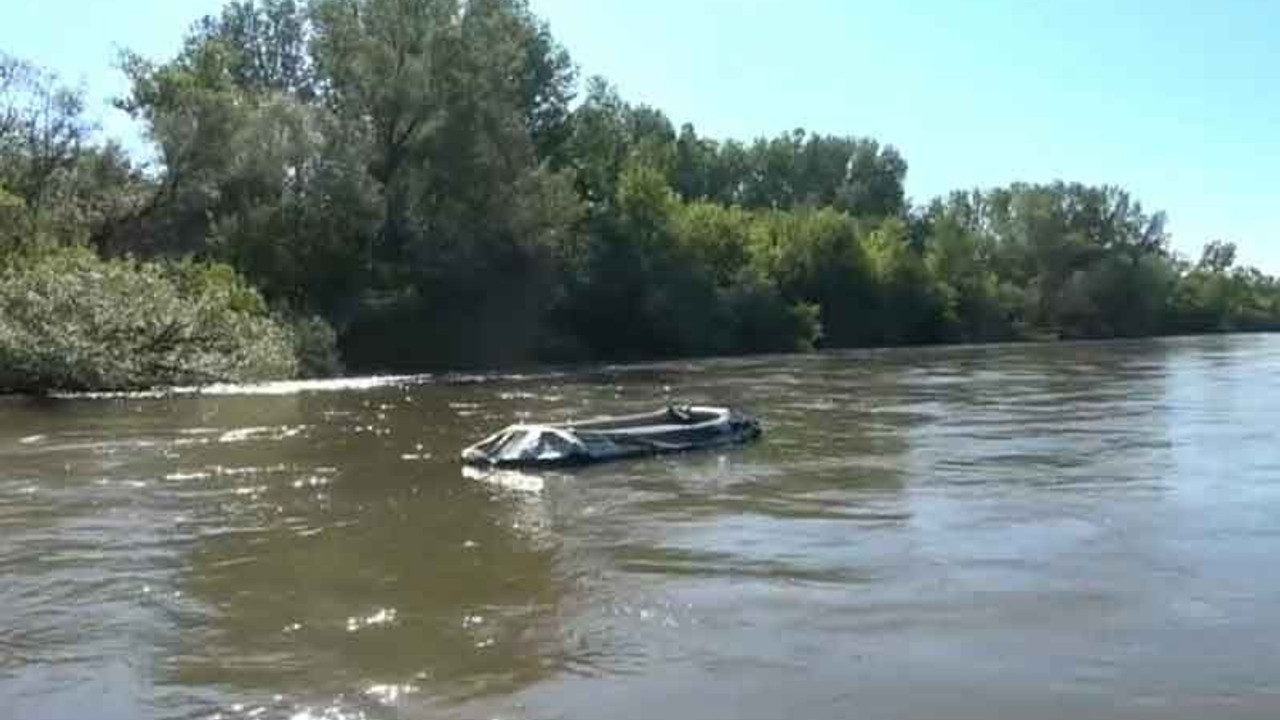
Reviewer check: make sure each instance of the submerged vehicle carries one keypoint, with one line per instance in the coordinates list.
(675, 428)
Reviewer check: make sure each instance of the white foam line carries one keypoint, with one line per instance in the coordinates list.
(278, 387)
(294, 387)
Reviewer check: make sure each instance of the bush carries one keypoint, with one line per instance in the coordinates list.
(71, 321)
(766, 322)
(315, 344)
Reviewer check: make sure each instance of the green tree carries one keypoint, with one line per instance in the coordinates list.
(267, 40)
(717, 239)
(912, 308)
(42, 133)
(816, 257)
(443, 94)
(957, 261)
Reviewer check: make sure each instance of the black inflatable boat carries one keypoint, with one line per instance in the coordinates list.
(673, 429)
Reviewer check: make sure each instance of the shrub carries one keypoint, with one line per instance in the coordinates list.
(71, 321)
(315, 345)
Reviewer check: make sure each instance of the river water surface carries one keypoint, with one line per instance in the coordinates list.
(1068, 531)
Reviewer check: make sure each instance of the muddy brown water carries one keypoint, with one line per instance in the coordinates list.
(1068, 531)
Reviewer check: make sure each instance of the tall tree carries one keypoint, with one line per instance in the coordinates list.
(42, 131)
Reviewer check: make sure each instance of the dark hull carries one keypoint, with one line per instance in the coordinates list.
(632, 451)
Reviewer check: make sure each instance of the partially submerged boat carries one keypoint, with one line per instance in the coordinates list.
(675, 428)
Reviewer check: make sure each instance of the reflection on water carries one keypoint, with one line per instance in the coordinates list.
(1065, 531)
(513, 480)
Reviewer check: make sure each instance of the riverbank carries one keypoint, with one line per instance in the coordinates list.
(537, 220)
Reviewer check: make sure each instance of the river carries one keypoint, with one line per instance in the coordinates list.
(1040, 531)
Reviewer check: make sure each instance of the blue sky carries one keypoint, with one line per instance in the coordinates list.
(1175, 100)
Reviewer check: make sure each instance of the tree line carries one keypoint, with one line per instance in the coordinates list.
(413, 184)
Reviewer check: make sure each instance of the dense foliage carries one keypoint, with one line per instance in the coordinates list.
(418, 181)
(71, 321)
